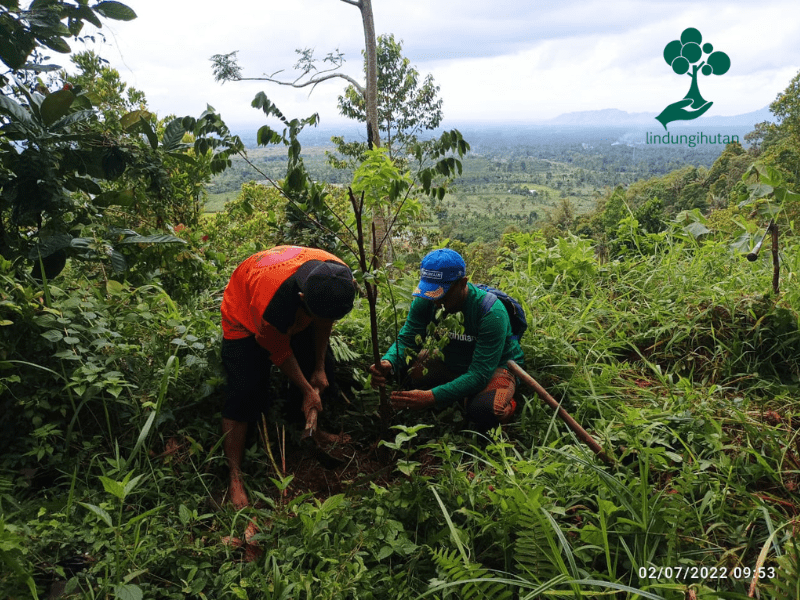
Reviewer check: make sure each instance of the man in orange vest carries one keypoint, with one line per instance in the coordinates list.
(279, 306)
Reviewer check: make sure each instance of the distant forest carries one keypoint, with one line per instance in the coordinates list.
(513, 175)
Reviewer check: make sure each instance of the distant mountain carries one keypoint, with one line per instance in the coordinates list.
(613, 117)
(607, 117)
(747, 119)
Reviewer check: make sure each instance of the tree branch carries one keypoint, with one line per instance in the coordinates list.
(313, 81)
(298, 207)
(355, 3)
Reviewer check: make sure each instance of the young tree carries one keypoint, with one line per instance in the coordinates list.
(406, 106)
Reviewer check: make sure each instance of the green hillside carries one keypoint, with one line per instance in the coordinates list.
(652, 321)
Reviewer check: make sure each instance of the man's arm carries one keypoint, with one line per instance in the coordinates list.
(419, 316)
(322, 334)
(311, 398)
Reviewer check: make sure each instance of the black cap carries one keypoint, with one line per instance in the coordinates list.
(328, 290)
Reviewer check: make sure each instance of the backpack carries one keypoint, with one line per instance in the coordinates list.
(516, 314)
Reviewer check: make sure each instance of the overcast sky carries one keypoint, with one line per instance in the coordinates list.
(495, 60)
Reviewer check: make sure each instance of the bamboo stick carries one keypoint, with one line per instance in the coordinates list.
(563, 414)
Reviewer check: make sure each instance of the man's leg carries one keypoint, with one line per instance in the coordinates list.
(235, 433)
(247, 366)
(495, 404)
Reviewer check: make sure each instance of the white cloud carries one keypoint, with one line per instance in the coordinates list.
(501, 60)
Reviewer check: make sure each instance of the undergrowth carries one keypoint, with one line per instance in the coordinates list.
(680, 362)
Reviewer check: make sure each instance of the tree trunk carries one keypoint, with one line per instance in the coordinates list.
(379, 217)
(371, 54)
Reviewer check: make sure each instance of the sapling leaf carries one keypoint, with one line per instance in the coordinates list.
(115, 488)
(99, 512)
(128, 591)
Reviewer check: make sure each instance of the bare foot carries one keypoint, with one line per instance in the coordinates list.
(232, 541)
(323, 438)
(250, 531)
(237, 493)
(252, 552)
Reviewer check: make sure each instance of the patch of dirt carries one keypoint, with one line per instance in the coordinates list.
(358, 464)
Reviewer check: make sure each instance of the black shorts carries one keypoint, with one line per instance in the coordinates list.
(247, 366)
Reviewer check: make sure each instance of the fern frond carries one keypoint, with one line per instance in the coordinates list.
(477, 582)
(787, 581)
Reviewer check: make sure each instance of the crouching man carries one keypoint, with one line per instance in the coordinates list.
(473, 370)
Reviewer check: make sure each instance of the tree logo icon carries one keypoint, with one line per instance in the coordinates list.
(685, 57)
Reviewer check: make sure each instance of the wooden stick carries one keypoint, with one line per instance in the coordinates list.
(565, 416)
(776, 264)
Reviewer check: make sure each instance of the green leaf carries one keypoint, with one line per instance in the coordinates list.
(56, 106)
(129, 486)
(80, 243)
(266, 135)
(76, 117)
(53, 335)
(50, 244)
(14, 110)
(115, 488)
(40, 68)
(114, 288)
(85, 184)
(86, 13)
(123, 198)
(742, 243)
(151, 136)
(131, 119)
(99, 512)
(57, 44)
(115, 10)
(118, 262)
(190, 160)
(759, 190)
(184, 514)
(173, 134)
(332, 503)
(153, 239)
(128, 592)
(696, 229)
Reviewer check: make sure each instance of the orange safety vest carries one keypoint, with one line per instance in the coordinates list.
(252, 288)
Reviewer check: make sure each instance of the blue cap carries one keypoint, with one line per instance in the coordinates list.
(439, 270)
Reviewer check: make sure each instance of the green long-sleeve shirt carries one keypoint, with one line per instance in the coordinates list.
(485, 345)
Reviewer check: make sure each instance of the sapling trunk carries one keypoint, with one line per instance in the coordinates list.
(372, 297)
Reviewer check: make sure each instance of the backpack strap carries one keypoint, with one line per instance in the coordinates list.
(486, 305)
(488, 301)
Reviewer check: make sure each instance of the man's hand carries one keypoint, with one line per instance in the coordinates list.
(380, 373)
(318, 380)
(311, 400)
(413, 399)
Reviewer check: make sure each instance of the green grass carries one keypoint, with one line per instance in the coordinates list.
(216, 202)
(679, 361)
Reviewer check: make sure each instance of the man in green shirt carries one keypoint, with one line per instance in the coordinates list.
(473, 370)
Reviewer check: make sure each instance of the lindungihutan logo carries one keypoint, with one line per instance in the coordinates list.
(685, 56)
